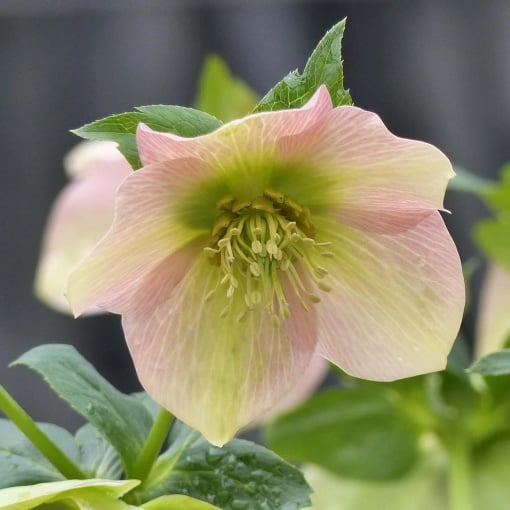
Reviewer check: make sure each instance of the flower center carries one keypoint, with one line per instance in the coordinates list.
(254, 241)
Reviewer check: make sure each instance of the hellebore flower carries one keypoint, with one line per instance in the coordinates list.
(493, 326)
(236, 256)
(79, 217)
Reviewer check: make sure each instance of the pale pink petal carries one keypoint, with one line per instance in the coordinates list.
(493, 326)
(215, 373)
(79, 218)
(147, 228)
(305, 386)
(242, 151)
(396, 301)
(375, 180)
(93, 156)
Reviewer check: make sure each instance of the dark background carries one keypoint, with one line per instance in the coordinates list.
(436, 70)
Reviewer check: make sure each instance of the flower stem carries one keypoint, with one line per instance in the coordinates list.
(39, 439)
(152, 446)
(460, 488)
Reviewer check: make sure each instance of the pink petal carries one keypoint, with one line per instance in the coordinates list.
(305, 386)
(493, 326)
(376, 180)
(94, 156)
(146, 229)
(396, 301)
(79, 217)
(241, 151)
(216, 374)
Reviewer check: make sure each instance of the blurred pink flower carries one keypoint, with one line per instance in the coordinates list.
(493, 326)
(237, 256)
(80, 216)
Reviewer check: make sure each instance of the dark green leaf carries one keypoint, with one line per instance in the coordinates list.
(324, 66)
(497, 363)
(122, 420)
(21, 463)
(356, 433)
(121, 128)
(221, 94)
(240, 475)
(97, 457)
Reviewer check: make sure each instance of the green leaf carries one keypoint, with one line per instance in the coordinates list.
(148, 402)
(178, 502)
(21, 463)
(496, 363)
(121, 128)
(497, 196)
(468, 182)
(491, 481)
(357, 433)
(68, 494)
(493, 237)
(240, 475)
(97, 457)
(122, 420)
(423, 488)
(221, 94)
(324, 66)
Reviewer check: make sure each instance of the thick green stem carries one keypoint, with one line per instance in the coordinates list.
(39, 439)
(152, 445)
(459, 482)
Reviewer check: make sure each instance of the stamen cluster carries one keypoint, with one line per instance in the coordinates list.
(254, 240)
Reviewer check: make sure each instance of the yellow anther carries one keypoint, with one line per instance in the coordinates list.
(257, 247)
(276, 196)
(314, 298)
(240, 203)
(254, 241)
(262, 204)
(226, 202)
(255, 269)
(292, 208)
(221, 224)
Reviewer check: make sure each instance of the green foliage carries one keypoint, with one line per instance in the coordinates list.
(493, 236)
(97, 457)
(123, 420)
(22, 464)
(121, 128)
(240, 475)
(423, 488)
(497, 196)
(324, 66)
(221, 94)
(491, 480)
(190, 474)
(348, 432)
(469, 182)
(178, 502)
(495, 364)
(68, 494)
